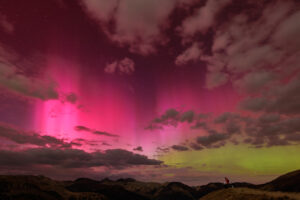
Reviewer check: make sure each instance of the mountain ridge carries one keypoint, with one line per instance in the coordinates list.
(25, 187)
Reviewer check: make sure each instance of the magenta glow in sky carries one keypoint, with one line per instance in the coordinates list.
(174, 87)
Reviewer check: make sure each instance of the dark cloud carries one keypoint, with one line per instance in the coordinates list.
(199, 125)
(265, 130)
(31, 138)
(254, 104)
(293, 137)
(196, 147)
(122, 157)
(270, 130)
(26, 86)
(180, 148)
(124, 66)
(153, 127)
(162, 149)
(232, 127)
(286, 98)
(255, 81)
(105, 133)
(139, 148)
(84, 128)
(71, 98)
(73, 158)
(210, 140)
(187, 116)
(106, 144)
(216, 79)
(170, 114)
(269, 118)
(283, 99)
(172, 117)
(13, 78)
(222, 118)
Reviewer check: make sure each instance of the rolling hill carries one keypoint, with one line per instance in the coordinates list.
(21, 187)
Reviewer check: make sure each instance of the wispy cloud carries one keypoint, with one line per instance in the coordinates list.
(83, 128)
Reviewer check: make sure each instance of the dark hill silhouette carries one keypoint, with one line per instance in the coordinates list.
(43, 188)
(112, 192)
(175, 191)
(211, 187)
(248, 194)
(289, 182)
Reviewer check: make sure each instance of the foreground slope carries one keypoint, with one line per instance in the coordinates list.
(39, 188)
(289, 182)
(249, 194)
(286, 187)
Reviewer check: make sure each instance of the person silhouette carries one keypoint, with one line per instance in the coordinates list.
(227, 182)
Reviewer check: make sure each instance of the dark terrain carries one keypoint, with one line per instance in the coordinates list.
(23, 187)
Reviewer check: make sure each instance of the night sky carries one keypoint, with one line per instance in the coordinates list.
(157, 90)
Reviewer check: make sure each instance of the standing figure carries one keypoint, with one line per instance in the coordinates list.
(226, 182)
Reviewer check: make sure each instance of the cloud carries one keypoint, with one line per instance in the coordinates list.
(31, 138)
(199, 125)
(124, 66)
(210, 140)
(180, 148)
(172, 117)
(188, 116)
(162, 149)
(111, 68)
(253, 54)
(73, 158)
(71, 98)
(196, 147)
(265, 130)
(243, 47)
(152, 127)
(232, 127)
(287, 31)
(222, 118)
(14, 80)
(254, 81)
(26, 86)
(269, 118)
(105, 133)
(136, 24)
(83, 128)
(253, 104)
(192, 53)
(6, 25)
(215, 79)
(262, 130)
(203, 19)
(139, 148)
(271, 130)
(105, 144)
(283, 99)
